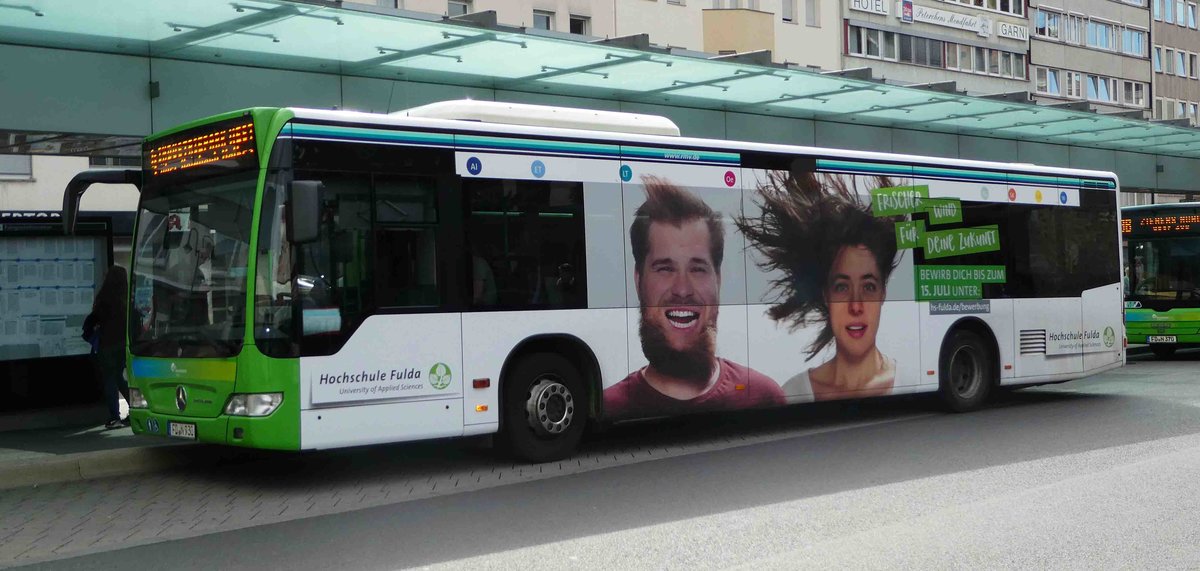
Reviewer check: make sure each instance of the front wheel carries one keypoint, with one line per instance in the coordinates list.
(966, 371)
(545, 408)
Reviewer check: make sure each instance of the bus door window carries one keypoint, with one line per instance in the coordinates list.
(406, 265)
(273, 283)
(331, 273)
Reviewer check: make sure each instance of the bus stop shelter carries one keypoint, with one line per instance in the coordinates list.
(93, 77)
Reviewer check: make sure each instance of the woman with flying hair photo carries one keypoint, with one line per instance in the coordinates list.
(834, 259)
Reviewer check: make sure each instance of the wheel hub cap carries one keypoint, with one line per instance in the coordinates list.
(965, 372)
(550, 408)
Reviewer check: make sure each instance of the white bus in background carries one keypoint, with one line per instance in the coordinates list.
(473, 268)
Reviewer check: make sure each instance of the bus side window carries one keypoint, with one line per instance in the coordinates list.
(406, 264)
(526, 244)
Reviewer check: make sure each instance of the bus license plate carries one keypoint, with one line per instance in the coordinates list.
(1160, 338)
(182, 430)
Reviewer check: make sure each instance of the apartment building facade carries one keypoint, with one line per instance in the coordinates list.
(1176, 51)
(804, 32)
(1096, 51)
(981, 45)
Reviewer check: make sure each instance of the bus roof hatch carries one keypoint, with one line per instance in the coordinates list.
(544, 116)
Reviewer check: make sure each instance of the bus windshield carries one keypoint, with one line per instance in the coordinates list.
(188, 292)
(1164, 269)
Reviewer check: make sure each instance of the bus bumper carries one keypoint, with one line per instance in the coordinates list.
(249, 432)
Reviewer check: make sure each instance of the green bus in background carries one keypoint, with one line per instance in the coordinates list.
(1162, 275)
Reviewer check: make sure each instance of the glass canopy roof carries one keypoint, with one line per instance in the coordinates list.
(325, 38)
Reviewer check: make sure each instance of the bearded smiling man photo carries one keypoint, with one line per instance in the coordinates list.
(678, 243)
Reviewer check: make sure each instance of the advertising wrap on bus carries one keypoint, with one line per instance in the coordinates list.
(744, 288)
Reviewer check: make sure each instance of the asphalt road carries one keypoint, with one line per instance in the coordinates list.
(1096, 473)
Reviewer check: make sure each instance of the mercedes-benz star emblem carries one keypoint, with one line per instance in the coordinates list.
(180, 398)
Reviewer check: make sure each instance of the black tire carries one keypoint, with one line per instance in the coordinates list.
(545, 408)
(966, 371)
(1162, 351)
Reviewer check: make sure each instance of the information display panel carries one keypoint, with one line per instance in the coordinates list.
(1176, 222)
(47, 284)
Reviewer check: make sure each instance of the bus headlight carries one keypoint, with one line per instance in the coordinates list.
(257, 404)
(136, 400)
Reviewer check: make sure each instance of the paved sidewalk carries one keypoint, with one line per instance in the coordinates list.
(82, 449)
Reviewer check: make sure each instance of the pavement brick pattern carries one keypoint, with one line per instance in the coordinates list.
(63, 520)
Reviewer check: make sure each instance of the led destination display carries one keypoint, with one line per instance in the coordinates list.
(227, 143)
(1159, 224)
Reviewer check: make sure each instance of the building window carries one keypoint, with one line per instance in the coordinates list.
(543, 20)
(1074, 81)
(1158, 10)
(1180, 13)
(1181, 64)
(458, 7)
(1192, 66)
(1133, 42)
(1191, 15)
(1100, 35)
(1073, 29)
(106, 162)
(875, 44)
(1169, 62)
(1180, 110)
(1101, 88)
(16, 166)
(1192, 112)
(787, 10)
(1158, 67)
(1046, 24)
(1016, 7)
(972, 59)
(581, 25)
(1134, 93)
(921, 51)
(1046, 80)
(812, 14)
(1158, 105)
(1169, 11)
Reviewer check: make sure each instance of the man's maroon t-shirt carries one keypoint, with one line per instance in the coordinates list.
(633, 397)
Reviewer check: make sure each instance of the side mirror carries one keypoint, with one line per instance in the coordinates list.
(304, 211)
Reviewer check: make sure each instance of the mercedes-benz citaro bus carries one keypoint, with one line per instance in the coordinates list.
(308, 279)
(1162, 275)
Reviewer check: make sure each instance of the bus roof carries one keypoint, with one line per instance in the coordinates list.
(1166, 206)
(401, 120)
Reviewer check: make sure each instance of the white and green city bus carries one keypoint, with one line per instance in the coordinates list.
(1162, 275)
(309, 279)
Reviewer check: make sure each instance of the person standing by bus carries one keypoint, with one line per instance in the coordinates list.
(836, 258)
(108, 315)
(678, 243)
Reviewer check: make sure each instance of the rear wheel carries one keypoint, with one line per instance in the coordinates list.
(1162, 351)
(967, 371)
(545, 408)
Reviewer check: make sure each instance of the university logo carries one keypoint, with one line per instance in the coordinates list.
(1110, 337)
(439, 376)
